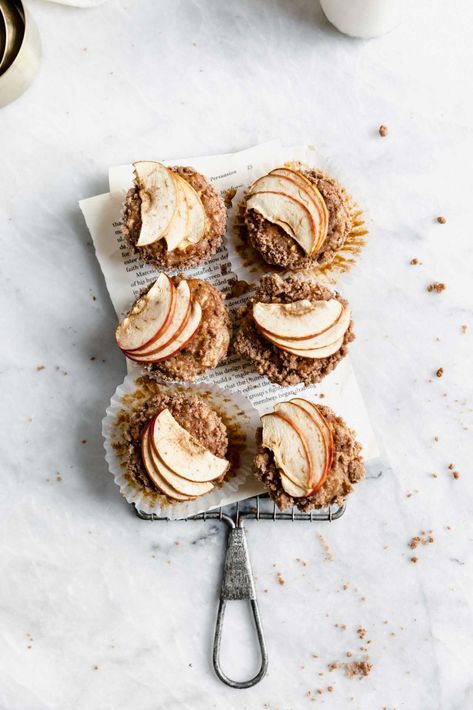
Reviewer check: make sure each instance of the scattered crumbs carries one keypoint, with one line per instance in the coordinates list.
(309, 693)
(330, 688)
(436, 438)
(441, 219)
(414, 262)
(333, 666)
(345, 587)
(228, 196)
(280, 579)
(83, 441)
(423, 539)
(319, 691)
(349, 654)
(413, 560)
(29, 646)
(456, 474)
(321, 395)
(439, 372)
(436, 287)
(96, 668)
(361, 632)
(92, 358)
(94, 298)
(40, 367)
(238, 288)
(265, 591)
(434, 475)
(302, 562)
(383, 131)
(464, 328)
(326, 548)
(451, 466)
(358, 668)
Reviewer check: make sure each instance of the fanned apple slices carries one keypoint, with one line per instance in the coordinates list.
(178, 464)
(301, 441)
(170, 207)
(287, 198)
(161, 323)
(304, 328)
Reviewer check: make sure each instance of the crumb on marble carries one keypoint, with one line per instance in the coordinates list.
(383, 131)
(414, 262)
(326, 548)
(439, 372)
(280, 579)
(413, 560)
(441, 219)
(436, 287)
(92, 358)
(456, 474)
(358, 668)
(40, 367)
(451, 466)
(361, 632)
(83, 441)
(463, 328)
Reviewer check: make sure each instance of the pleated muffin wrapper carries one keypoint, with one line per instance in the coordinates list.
(237, 413)
(249, 266)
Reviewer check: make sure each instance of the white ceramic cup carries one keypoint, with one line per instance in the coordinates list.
(364, 18)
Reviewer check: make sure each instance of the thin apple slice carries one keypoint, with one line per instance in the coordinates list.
(312, 435)
(183, 454)
(179, 483)
(179, 321)
(323, 339)
(309, 186)
(150, 316)
(316, 353)
(197, 216)
(290, 214)
(292, 188)
(291, 488)
(312, 409)
(152, 471)
(290, 452)
(178, 228)
(178, 343)
(158, 195)
(297, 320)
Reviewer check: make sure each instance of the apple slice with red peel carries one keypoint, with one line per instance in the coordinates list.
(312, 409)
(149, 318)
(152, 471)
(158, 194)
(316, 353)
(323, 339)
(312, 435)
(183, 454)
(317, 197)
(180, 341)
(289, 449)
(288, 186)
(179, 321)
(197, 216)
(290, 214)
(298, 320)
(179, 225)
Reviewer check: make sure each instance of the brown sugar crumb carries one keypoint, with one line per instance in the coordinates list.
(330, 688)
(333, 666)
(96, 668)
(456, 474)
(464, 328)
(349, 654)
(451, 466)
(309, 693)
(383, 131)
(434, 475)
(228, 196)
(84, 441)
(358, 668)
(436, 287)
(302, 562)
(40, 367)
(280, 579)
(92, 358)
(414, 262)
(441, 220)
(414, 560)
(361, 632)
(326, 548)
(423, 539)
(439, 372)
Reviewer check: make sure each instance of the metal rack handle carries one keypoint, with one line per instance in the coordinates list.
(238, 584)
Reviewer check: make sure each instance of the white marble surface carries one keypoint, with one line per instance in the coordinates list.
(101, 610)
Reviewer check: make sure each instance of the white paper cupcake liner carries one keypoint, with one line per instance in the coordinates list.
(243, 260)
(236, 407)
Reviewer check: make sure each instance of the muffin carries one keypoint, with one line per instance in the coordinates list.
(172, 217)
(294, 330)
(177, 329)
(297, 218)
(307, 457)
(175, 446)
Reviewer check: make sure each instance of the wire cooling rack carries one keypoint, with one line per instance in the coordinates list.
(237, 582)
